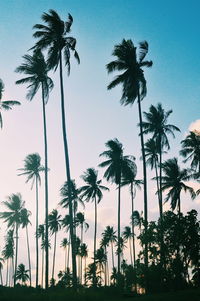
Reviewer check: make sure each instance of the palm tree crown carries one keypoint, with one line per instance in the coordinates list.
(173, 180)
(191, 149)
(36, 69)
(53, 36)
(132, 77)
(5, 104)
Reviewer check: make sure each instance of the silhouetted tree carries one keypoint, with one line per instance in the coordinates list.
(53, 36)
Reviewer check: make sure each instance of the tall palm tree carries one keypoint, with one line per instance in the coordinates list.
(118, 166)
(84, 254)
(25, 222)
(127, 235)
(134, 87)
(14, 204)
(54, 227)
(64, 245)
(133, 183)
(8, 254)
(53, 36)
(101, 258)
(36, 69)
(191, 150)
(32, 169)
(5, 105)
(76, 200)
(80, 221)
(173, 181)
(92, 191)
(156, 123)
(41, 234)
(110, 235)
(22, 274)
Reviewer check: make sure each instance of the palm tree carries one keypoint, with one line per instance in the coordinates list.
(14, 204)
(25, 222)
(133, 183)
(173, 181)
(100, 258)
(134, 87)
(8, 253)
(53, 36)
(22, 274)
(64, 245)
(54, 227)
(110, 236)
(157, 124)
(41, 234)
(80, 220)
(92, 191)
(127, 235)
(36, 70)
(66, 225)
(64, 192)
(104, 244)
(118, 166)
(191, 150)
(5, 105)
(83, 254)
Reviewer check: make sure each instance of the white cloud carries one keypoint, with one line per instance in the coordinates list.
(195, 125)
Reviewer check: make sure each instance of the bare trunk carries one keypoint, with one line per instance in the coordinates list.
(29, 258)
(67, 165)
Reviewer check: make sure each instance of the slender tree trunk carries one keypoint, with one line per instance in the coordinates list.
(130, 251)
(66, 259)
(68, 253)
(7, 272)
(29, 258)
(118, 234)
(81, 256)
(1, 277)
(54, 255)
(46, 194)
(133, 227)
(73, 242)
(42, 268)
(105, 271)
(95, 240)
(16, 253)
(85, 270)
(113, 264)
(13, 269)
(145, 193)
(36, 231)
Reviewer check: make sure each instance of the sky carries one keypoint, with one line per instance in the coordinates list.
(94, 115)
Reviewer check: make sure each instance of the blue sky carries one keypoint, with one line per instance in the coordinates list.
(94, 115)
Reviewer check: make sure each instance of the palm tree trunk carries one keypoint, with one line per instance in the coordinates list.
(81, 256)
(42, 267)
(113, 264)
(29, 258)
(73, 242)
(1, 277)
(145, 193)
(66, 259)
(105, 270)
(46, 194)
(95, 239)
(85, 269)
(7, 272)
(130, 252)
(16, 253)
(133, 227)
(118, 234)
(54, 255)
(68, 253)
(36, 231)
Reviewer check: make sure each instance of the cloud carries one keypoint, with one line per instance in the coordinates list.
(195, 125)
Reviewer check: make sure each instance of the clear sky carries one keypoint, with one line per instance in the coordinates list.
(94, 115)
